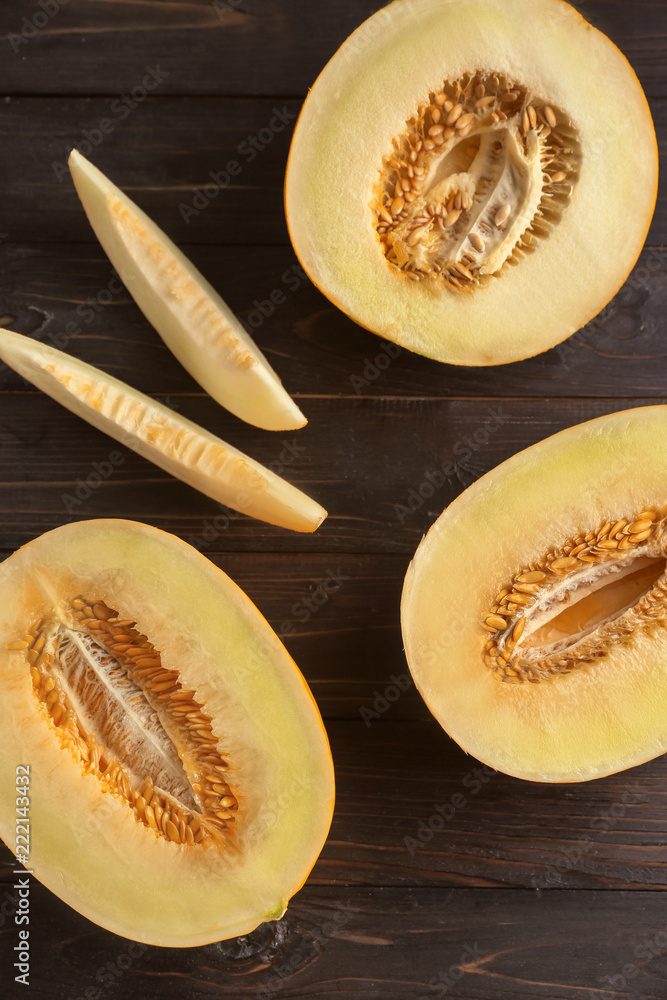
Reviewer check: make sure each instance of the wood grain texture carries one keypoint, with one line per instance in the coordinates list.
(440, 877)
(382, 944)
(170, 154)
(236, 47)
(180, 176)
(414, 810)
(412, 807)
(67, 295)
(368, 461)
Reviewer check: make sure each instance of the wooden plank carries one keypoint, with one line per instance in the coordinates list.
(370, 462)
(413, 809)
(380, 944)
(67, 295)
(440, 877)
(225, 47)
(172, 155)
(338, 615)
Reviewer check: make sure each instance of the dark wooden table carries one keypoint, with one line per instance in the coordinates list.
(529, 892)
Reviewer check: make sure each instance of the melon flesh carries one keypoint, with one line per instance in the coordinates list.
(393, 65)
(192, 319)
(86, 844)
(605, 715)
(157, 433)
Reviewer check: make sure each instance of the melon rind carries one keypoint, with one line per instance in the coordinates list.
(596, 720)
(85, 844)
(368, 91)
(190, 316)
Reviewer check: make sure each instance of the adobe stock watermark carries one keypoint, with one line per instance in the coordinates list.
(87, 311)
(119, 110)
(31, 26)
(604, 820)
(620, 982)
(473, 782)
(310, 945)
(312, 603)
(107, 975)
(630, 295)
(373, 367)
(383, 700)
(212, 528)
(84, 488)
(587, 333)
(102, 471)
(248, 150)
(651, 262)
(283, 801)
(371, 29)
(291, 281)
(463, 450)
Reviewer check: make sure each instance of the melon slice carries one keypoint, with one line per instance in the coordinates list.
(171, 442)
(176, 770)
(534, 610)
(473, 180)
(192, 319)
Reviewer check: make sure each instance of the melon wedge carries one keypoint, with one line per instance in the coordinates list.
(177, 803)
(155, 432)
(192, 319)
(461, 176)
(534, 610)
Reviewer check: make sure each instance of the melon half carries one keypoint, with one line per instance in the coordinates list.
(534, 612)
(163, 751)
(473, 180)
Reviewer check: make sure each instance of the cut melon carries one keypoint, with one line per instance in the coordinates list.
(192, 319)
(473, 180)
(165, 438)
(535, 610)
(176, 769)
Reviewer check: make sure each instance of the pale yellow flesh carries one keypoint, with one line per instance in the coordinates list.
(85, 845)
(362, 100)
(177, 445)
(596, 720)
(190, 316)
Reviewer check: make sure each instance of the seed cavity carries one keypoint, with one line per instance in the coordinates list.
(481, 165)
(128, 721)
(569, 608)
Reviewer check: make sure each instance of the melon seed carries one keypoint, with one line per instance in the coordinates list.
(499, 156)
(576, 632)
(92, 724)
